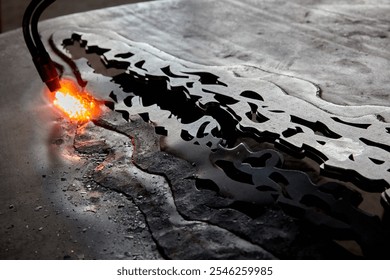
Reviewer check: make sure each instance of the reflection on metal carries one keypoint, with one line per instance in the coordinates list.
(221, 123)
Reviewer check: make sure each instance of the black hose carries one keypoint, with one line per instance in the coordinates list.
(41, 58)
(26, 26)
(34, 24)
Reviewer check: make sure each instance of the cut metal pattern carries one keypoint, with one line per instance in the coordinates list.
(210, 117)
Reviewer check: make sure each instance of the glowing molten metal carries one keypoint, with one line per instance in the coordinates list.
(78, 106)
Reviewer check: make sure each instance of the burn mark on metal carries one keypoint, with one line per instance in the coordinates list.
(206, 117)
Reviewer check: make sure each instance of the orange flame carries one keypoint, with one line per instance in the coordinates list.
(76, 105)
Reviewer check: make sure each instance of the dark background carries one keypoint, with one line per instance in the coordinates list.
(12, 10)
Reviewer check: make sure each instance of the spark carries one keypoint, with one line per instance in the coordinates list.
(76, 105)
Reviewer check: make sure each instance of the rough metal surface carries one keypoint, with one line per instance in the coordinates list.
(203, 112)
(333, 49)
(339, 46)
(123, 171)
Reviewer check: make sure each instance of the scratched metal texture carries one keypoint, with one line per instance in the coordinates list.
(198, 109)
(333, 49)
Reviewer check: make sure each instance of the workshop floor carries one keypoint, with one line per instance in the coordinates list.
(12, 10)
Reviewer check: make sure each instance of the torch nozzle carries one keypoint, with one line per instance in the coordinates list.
(47, 71)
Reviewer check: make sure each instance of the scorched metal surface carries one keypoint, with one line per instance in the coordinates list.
(58, 205)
